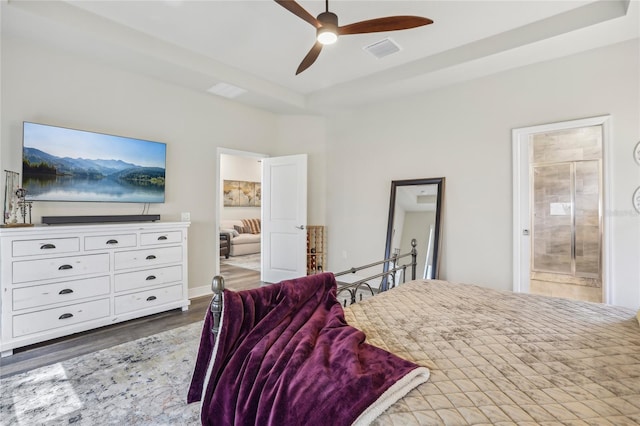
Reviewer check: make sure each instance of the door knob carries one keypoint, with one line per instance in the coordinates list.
(301, 227)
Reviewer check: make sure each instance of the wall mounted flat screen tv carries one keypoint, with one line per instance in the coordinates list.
(60, 164)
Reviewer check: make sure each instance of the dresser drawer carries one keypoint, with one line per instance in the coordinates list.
(146, 299)
(140, 279)
(59, 317)
(102, 242)
(45, 246)
(67, 291)
(169, 237)
(59, 267)
(147, 257)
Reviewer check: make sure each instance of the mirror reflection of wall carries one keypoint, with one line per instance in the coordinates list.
(415, 217)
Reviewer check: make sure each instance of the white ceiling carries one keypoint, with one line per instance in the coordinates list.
(417, 198)
(257, 45)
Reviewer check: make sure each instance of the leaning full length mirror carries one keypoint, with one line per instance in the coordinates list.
(415, 212)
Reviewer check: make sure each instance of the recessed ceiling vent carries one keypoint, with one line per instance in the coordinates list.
(226, 90)
(383, 48)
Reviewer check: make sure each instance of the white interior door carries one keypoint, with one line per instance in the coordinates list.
(284, 218)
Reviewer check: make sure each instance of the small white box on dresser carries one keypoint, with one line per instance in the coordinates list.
(60, 280)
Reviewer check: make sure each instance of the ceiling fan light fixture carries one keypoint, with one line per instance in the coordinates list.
(327, 35)
(328, 30)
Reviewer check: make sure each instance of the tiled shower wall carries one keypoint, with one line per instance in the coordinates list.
(566, 225)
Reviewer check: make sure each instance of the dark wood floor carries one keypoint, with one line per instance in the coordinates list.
(239, 278)
(61, 349)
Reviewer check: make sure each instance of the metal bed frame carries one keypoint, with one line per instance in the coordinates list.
(388, 277)
(388, 281)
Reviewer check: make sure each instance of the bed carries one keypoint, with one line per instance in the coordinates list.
(503, 358)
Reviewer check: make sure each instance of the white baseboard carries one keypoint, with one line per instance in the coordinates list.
(204, 290)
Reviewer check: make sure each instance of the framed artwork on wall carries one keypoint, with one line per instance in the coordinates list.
(240, 193)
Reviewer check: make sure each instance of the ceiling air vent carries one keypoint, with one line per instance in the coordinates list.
(382, 48)
(226, 90)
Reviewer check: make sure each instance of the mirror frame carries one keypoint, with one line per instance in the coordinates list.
(392, 204)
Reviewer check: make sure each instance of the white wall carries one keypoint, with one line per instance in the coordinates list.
(463, 133)
(306, 134)
(460, 132)
(43, 85)
(234, 167)
(416, 225)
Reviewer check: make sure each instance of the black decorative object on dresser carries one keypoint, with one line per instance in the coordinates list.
(124, 218)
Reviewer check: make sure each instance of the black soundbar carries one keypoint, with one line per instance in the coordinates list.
(66, 220)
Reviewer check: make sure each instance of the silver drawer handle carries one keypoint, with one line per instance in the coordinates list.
(150, 298)
(112, 242)
(63, 267)
(151, 257)
(150, 278)
(47, 246)
(162, 237)
(65, 316)
(66, 291)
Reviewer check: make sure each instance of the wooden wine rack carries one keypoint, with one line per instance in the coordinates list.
(316, 249)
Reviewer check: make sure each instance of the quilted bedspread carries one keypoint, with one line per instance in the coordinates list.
(500, 357)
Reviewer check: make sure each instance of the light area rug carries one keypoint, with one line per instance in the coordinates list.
(247, 261)
(143, 382)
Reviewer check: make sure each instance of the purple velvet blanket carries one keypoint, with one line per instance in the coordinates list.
(285, 356)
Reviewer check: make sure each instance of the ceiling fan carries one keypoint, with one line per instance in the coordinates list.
(327, 29)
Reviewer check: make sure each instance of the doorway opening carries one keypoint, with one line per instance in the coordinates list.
(560, 238)
(238, 214)
(566, 213)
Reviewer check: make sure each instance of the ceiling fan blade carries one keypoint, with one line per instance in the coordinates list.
(390, 23)
(299, 11)
(310, 58)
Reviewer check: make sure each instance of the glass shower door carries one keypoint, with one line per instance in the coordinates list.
(566, 218)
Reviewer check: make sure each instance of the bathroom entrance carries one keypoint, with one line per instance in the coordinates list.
(560, 245)
(566, 225)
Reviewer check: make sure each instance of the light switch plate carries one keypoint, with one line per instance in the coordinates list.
(185, 216)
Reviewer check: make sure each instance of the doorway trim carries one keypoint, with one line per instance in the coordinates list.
(218, 194)
(522, 199)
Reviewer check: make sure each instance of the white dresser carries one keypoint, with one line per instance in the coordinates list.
(59, 280)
